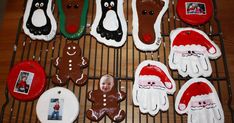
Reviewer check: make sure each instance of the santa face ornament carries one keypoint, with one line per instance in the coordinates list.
(147, 16)
(190, 52)
(198, 98)
(151, 86)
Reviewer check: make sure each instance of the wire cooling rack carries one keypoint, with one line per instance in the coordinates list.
(120, 62)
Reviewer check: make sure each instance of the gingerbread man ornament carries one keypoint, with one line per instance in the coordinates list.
(106, 101)
(70, 66)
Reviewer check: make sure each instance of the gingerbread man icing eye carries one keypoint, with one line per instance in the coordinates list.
(106, 4)
(69, 48)
(74, 48)
(37, 4)
(42, 4)
(112, 4)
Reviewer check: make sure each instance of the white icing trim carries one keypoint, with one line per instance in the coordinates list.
(57, 61)
(60, 81)
(120, 95)
(93, 114)
(185, 87)
(79, 78)
(207, 55)
(52, 33)
(90, 94)
(122, 21)
(157, 29)
(117, 115)
(83, 61)
(71, 54)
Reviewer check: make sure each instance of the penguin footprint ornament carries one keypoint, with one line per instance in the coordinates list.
(38, 21)
(109, 26)
(198, 98)
(190, 52)
(151, 85)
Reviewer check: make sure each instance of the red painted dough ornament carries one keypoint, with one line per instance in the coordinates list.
(195, 12)
(26, 80)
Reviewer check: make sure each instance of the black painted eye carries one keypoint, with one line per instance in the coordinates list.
(106, 4)
(37, 4)
(42, 4)
(151, 12)
(153, 83)
(189, 51)
(149, 83)
(112, 4)
(144, 12)
(199, 103)
(193, 52)
(204, 102)
(76, 6)
(69, 6)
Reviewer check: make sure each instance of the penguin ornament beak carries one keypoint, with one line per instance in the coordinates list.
(109, 7)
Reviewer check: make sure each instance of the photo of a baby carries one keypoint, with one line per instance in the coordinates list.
(197, 8)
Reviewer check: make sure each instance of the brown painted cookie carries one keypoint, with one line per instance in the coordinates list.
(106, 101)
(148, 11)
(70, 66)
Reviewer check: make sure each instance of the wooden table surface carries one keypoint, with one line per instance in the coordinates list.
(14, 11)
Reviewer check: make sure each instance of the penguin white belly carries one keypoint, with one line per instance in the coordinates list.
(110, 22)
(39, 18)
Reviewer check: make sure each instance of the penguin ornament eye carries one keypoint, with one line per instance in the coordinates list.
(42, 4)
(106, 4)
(112, 4)
(37, 5)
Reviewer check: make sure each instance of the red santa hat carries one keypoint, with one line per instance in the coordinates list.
(155, 72)
(195, 89)
(194, 37)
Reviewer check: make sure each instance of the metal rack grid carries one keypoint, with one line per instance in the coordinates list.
(120, 62)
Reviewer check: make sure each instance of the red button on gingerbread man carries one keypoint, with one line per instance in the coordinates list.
(106, 101)
(70, 66)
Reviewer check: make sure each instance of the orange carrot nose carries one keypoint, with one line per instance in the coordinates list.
(71, 28)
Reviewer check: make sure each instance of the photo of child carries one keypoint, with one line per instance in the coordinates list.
(55, 109)
(24, 82)
(195, 8)
(106, 83)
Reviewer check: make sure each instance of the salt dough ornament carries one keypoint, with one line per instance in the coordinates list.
(147, 16)
(109, 26)
(195, 12)
(26, 80)
(70, 66)
(151, 85)
(72, 14)
(38, 21)
(106, 101)
(57, 105)
(190, 52)
(198, 99)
